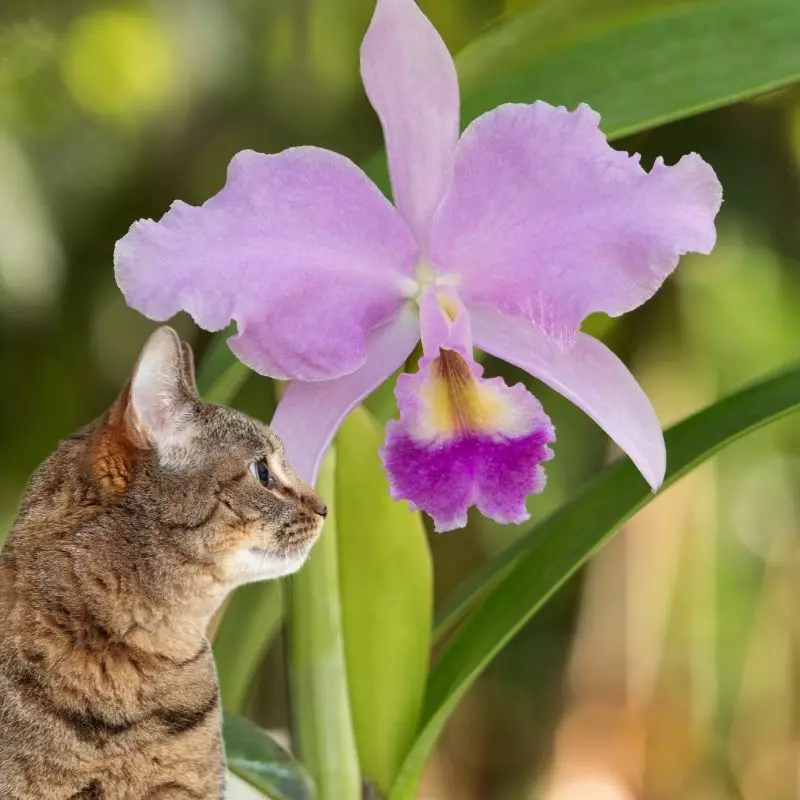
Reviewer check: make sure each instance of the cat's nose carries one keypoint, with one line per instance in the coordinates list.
(317, 505)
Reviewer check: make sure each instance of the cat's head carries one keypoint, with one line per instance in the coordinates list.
(209, 487)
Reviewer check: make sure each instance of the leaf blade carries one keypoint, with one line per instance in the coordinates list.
(645, 64)
(257, 758)
(322, 717)
(220, 374)
(251, 621)
(387, 599)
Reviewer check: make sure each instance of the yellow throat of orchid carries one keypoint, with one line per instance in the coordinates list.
(456, 400)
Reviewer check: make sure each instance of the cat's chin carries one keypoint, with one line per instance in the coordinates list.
(255, 564)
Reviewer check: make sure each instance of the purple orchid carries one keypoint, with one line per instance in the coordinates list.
(504, 239)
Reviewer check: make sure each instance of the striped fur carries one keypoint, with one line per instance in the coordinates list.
(120, 554)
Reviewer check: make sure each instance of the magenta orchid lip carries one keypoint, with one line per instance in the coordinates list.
(526, 223)
(462, 440)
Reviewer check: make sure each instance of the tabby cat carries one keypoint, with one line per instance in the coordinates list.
(128, 538)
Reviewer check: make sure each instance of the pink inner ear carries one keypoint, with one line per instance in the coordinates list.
(159, 402)
(189, 380)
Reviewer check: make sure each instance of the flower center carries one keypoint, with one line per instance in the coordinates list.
(425, 275)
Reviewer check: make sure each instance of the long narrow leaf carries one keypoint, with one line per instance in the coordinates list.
(639, 64)
(387, 595)
(322, 719)
(550, 554)
(257, 758)
(252, 618)
(220, 374)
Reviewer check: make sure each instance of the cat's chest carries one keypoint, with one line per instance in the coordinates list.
(126, 738)
(177, 744)
(191, 761)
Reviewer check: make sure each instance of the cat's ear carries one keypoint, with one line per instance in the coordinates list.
(161, 404)
(155, 411)
(188, 370)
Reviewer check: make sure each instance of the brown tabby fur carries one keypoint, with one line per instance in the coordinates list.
(128, 537)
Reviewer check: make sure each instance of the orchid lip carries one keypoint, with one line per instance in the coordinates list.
(464, 440)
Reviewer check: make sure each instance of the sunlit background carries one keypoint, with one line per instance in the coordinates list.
(670, 667)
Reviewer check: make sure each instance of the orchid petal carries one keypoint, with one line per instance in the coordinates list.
(411, 82)
(544, 220)
(299, 248)
(309, 414)
(462, 440)
(589, 375)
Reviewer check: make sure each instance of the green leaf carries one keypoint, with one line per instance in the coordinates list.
(543, 27)
(220, 374)
(237, 789)
(323, 725)
(479, 583)
(640, 64)
(252, 618)
(257, 758)
(386, 582)
(553, 551)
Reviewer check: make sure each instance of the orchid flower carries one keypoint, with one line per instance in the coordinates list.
(504, 239)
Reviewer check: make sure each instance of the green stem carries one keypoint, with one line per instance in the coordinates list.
(220, 374)
(251, 620)
(323, 724)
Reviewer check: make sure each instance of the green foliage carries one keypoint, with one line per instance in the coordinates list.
(640, 64)
(257, 758)
(545, 558)
(252, 619)
(386, 585)
(221, 375)
(322, 724)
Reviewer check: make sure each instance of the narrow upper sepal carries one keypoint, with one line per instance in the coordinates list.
(411, 82)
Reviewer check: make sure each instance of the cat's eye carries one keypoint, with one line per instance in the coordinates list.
(261, 472)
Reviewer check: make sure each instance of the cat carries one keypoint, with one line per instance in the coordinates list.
(128, 538)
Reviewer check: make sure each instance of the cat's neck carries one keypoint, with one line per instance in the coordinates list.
(99, 615)
(91, 665)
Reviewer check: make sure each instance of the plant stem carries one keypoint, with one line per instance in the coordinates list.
(251, 621)
(323, 724)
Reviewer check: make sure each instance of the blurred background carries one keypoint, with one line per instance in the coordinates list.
(670, 667)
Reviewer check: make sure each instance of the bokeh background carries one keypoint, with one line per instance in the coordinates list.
(670, 667)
